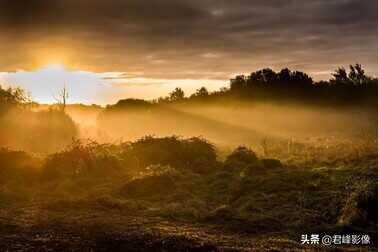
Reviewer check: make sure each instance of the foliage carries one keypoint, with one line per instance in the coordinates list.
(130, 104)
(351, 88)
(195, 153)
(12, 97)
(177, 95)
(200, 93)
(80, 160)
(241, 156)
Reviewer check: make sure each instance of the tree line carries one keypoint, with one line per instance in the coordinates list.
(352, 87)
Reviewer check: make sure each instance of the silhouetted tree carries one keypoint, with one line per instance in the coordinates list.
(357, 74)
(12, 97)
(270, 77)
(201, 92)
(177, 94)
(238, 83)
(340, 76)
(284, 75)
(62, 98)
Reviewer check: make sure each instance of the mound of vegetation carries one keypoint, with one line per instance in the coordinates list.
(243, 159)
(83, 161)
(157, 181)
(194, 154)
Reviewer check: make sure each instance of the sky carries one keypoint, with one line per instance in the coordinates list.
(113, 49)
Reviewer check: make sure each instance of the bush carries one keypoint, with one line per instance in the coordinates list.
(82, 161)
(159, 184)
(241, 157)
(194, 154)
(271, 163)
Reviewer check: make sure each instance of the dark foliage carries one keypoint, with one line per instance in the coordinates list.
(350, 88)
(195, 153)
(241, 157)
(353, 88)
(11, 97)
(130, 104)
(150, 186)
(82, 161)
(271, 163)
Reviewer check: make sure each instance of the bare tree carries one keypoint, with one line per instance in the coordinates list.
(62, 98)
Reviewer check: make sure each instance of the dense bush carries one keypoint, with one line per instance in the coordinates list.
(194, 154)
(159, 181)
(79, 160)
(241, 157)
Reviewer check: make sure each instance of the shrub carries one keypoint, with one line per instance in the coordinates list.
(195, 154)
(270, 163)
(82, 161)
(155, 184)
(241, 157)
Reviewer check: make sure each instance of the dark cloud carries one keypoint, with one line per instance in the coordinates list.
(169, 38)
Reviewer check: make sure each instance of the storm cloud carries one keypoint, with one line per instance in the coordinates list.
(196, 39)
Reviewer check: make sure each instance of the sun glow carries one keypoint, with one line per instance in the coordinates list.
(57, 55)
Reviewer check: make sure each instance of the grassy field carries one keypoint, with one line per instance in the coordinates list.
(177, 194)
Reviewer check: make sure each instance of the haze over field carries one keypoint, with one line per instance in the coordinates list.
(188, 125)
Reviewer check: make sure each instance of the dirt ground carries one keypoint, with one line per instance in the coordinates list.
(36, 227)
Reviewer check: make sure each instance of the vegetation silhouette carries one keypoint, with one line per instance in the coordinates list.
(353, 88)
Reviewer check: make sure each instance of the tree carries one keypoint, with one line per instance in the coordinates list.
(238, 83)
(285, 75)
(340, 76)
(270, 76)
(301, 79)
(12, 97)
(201, 92)
(62, 98)
(357, 74)
(177, 95)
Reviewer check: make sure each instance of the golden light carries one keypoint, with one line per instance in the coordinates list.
(48, 57)
(51, 53)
